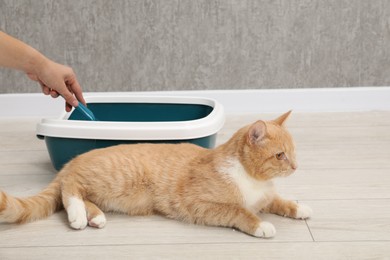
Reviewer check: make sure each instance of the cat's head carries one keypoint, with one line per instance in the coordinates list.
(268, 149)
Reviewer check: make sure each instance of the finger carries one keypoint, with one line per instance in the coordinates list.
(68, 96)
(75, 87)
(45, 89)
(54, 94)
(68, 107)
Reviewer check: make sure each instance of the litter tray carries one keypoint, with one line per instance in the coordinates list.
(132, 119)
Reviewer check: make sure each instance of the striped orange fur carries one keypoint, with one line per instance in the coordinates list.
(226, 186)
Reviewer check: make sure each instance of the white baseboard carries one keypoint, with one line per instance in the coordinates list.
(234, 101)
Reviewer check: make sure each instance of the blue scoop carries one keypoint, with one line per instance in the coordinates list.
(86, 114)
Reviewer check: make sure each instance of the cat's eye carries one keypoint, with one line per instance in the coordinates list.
(281, 156)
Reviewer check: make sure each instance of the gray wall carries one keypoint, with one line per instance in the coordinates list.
(205, 44)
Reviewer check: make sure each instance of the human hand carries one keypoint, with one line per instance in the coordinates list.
(56, 79)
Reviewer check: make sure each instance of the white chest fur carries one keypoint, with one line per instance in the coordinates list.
(253, 191)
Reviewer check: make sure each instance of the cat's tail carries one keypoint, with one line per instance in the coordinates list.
(21, 210)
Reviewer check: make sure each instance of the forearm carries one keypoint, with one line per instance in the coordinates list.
(18, 55)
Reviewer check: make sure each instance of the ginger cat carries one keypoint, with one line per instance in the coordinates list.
(226, 186)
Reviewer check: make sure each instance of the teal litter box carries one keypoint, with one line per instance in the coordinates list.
(129, 119)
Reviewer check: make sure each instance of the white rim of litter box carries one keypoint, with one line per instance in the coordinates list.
(104, 130)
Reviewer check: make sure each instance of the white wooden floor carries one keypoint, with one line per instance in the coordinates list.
(344, 175)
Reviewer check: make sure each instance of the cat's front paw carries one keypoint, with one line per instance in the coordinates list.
(265, 229)
(303, 212)
(98, 222)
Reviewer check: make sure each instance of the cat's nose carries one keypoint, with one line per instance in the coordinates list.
(294, 166)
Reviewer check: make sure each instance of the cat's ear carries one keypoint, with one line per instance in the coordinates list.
(282, 119)
(257, 132)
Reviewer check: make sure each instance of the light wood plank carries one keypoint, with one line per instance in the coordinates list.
(20, 142)
(25, 156)
(340, 156)
(25, 185)
(37, 168)
(19, 134)
(122, 229)
(335, 184)
(255, 250)
(350, 220)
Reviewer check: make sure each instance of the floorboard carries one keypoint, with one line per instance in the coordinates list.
(343, 174)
